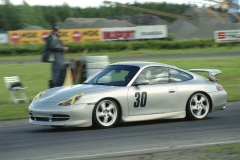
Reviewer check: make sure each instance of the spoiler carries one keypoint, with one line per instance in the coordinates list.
(211, 73)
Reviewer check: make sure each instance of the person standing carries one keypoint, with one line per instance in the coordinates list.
(56, 49)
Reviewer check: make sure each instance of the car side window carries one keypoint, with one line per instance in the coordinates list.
(178, 76)
(155, 75)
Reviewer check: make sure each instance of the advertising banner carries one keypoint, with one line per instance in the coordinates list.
(91, 34)
(151, 32)
(3, 37)
(66, 35)
(123, 33)
(80, 35)
(26, 36)
(227, 36)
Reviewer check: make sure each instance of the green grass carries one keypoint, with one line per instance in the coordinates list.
(36, 75)
(234, 148)
(132, 53)
(33, 75)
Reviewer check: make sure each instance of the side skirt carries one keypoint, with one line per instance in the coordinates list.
(171, 115)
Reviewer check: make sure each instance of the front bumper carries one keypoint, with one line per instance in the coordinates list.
(50, 114)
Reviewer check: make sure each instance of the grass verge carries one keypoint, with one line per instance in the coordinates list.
(131, 53)
(36, 75)
(234, 148)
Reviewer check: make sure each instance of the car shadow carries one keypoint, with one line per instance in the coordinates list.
(119, 125)
(50, 129)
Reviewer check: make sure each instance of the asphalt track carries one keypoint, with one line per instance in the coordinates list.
(22, 141)
(134, 58)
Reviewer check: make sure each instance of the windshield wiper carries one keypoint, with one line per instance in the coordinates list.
(101, 84)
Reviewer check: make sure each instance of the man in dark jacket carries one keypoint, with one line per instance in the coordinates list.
(57, 50)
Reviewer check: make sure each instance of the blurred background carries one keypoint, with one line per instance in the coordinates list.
(184, 19)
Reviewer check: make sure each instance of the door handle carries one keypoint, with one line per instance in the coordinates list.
(171, 91)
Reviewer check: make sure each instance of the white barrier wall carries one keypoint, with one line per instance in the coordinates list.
(151, 32)
(132, 33)
(227, 36)
(3, 38)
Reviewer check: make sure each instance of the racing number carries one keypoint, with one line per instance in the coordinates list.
(141, 100)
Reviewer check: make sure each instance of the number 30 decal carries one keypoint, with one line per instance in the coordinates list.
(141, 99)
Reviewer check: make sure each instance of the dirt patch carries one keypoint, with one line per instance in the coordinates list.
(201, 24)
(33, 27)
(141, 19)
(72, 23)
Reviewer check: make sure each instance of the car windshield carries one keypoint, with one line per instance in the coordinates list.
(114, 75)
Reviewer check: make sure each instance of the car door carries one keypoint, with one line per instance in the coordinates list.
(156, 97)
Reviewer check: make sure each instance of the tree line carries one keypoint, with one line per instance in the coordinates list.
(14, 17)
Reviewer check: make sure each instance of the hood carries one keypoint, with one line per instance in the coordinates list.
(63, 93)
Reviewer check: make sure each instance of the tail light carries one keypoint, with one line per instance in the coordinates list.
(219, 88)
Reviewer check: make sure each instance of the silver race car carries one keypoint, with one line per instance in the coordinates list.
(127, 92)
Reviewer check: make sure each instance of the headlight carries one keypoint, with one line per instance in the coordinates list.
(71, 100)
(39, 96)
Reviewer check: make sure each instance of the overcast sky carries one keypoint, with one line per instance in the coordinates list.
(96, 3)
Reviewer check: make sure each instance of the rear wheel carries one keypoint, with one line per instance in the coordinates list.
(106, 113)
(198, 106)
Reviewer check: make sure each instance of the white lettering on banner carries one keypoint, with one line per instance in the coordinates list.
(15, 36)
(119, 34)
(227, 36)
(76, 35)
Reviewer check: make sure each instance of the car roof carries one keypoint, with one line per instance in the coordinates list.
(142, 64)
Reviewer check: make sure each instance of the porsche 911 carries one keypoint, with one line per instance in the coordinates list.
(130, 92)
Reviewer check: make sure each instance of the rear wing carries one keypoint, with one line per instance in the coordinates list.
(211, 73)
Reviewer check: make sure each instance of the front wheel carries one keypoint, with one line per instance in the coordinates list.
(198, 106)
(106, 113)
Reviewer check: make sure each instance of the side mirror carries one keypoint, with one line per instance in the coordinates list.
(141, 81)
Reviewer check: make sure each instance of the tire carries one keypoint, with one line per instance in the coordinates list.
(198, 106)
(106, 113)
